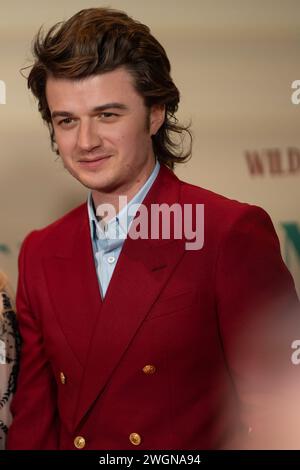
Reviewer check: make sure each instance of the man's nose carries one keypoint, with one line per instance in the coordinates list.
(88, 136)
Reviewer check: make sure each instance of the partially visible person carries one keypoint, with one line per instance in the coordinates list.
(9, 355)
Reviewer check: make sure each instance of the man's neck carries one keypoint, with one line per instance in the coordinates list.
(116, 198)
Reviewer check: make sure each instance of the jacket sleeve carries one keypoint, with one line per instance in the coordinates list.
(34, 406)
(259, 318)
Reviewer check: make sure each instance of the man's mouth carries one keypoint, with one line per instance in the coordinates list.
(93, 162)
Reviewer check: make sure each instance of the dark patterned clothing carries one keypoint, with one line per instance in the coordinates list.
(9, 361)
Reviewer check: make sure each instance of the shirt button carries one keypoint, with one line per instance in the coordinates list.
(135, 439)
(111, 259)
(79, 442)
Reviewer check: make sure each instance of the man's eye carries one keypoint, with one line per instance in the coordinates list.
(66, 121)
(107, 115)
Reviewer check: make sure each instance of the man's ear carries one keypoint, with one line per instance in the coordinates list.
(157, 117)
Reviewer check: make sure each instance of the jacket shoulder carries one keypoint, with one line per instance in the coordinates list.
(59, 230)
(221, 211)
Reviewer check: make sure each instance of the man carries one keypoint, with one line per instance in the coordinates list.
(141, 341)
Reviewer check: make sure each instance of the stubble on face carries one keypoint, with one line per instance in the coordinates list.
(124, 139)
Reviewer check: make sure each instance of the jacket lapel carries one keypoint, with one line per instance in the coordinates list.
(143, 269)
(73, 285)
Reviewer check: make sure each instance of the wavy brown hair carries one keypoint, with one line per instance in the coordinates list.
(99, 40)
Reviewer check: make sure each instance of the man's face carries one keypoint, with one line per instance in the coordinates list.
(103, 130)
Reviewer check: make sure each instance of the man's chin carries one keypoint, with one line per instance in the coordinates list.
(100, 186)
(94, 184)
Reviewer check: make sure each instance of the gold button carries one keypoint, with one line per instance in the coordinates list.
(79, 442)
(135, 439)
(149, 369)
(62, 378)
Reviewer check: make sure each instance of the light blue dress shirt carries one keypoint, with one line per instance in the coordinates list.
(108, 239)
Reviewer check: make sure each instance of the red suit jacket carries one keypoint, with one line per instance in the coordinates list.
(181, 352)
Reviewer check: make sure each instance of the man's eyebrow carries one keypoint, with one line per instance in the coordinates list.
(97, 109)
(109, 106)
(55, 114)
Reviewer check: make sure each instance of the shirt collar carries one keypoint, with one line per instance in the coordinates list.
(120, 224)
